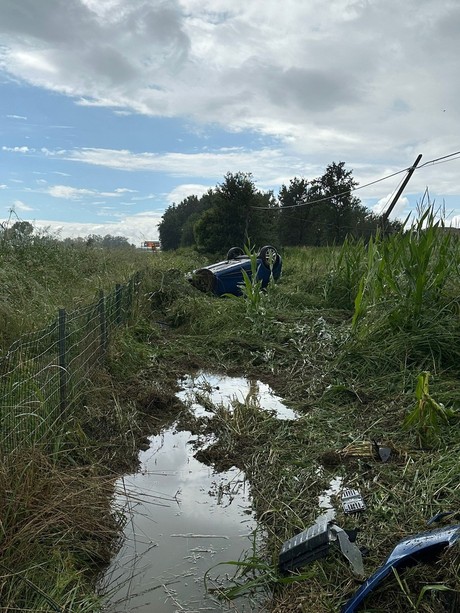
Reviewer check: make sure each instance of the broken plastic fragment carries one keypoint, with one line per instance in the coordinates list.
(424, 546)
(313, 544)
(384, 453)
(439, 516)
(352, 501)
(305, 547)
(349, 550)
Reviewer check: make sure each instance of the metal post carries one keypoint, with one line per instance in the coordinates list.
(118, 298)
(62, 360)
(102, 324)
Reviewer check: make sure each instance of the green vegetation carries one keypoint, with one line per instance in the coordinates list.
(322, 211)
(39, 274)
(347, 337)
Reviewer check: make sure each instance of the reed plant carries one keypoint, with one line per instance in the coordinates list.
(43, 275)
(42, 507)
(427, 415)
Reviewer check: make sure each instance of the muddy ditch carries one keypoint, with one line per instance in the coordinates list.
(188, 507)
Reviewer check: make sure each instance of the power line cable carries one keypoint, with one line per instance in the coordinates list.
(443, 159)
(348, 191)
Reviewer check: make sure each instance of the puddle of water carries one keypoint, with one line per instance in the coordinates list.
(183, 519)
(221, 390)
(325, 500)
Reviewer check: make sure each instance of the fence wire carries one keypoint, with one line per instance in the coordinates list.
(43, 373)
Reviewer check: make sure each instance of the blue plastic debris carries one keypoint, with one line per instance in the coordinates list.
(422, 547)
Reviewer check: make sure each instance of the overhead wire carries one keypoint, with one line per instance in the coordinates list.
(440, 160)
(444, 157)
(292, 206)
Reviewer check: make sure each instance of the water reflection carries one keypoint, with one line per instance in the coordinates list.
(325, 500)
(182, 519)
(221, 390)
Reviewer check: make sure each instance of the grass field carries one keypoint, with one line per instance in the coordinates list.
(363, 341)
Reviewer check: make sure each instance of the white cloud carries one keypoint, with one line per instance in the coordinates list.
(22, 206)
(269, 165)
(69, 193)
(17, 149)
(16, 117)
(339, 80)
(332, 77)
(398, 210)
(74, 193)
(181, 192)
(3, 186)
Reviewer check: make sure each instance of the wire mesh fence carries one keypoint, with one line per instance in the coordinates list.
(43, 373)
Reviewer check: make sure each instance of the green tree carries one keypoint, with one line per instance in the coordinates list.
(209, 232)
(294, 213)
(264, 220)
(116, 242)
(20, 233)
(176, 228)
(238, 214)
(335, 210)
(94, 240)
(169, 229)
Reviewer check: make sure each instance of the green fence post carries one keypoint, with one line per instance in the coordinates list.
(118, 299)
(102, 323)
(137, 287)
(62, 361)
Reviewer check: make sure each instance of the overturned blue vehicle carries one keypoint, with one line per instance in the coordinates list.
(226, 277)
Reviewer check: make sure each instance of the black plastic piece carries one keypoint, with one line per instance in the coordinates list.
(305, 547)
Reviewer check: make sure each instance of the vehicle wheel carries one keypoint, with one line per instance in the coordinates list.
(234, 252)
(269, 256)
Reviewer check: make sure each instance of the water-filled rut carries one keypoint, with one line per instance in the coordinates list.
(183, 518)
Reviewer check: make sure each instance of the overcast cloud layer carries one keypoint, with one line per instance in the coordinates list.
(370, 82)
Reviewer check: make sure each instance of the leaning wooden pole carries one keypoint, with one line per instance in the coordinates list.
(410, 172)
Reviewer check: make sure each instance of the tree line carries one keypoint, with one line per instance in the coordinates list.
(323, 211)
(23, 233)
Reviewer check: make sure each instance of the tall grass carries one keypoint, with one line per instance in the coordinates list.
(427, 414)
(409, 274)
(403, 293)
(57, 528)
(44, 506)
(42, 275)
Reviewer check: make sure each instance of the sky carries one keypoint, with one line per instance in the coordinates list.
(113, 110)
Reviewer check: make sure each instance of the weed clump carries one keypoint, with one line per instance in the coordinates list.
(43, 505)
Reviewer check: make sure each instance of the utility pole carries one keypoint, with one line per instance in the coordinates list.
(410, 172)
